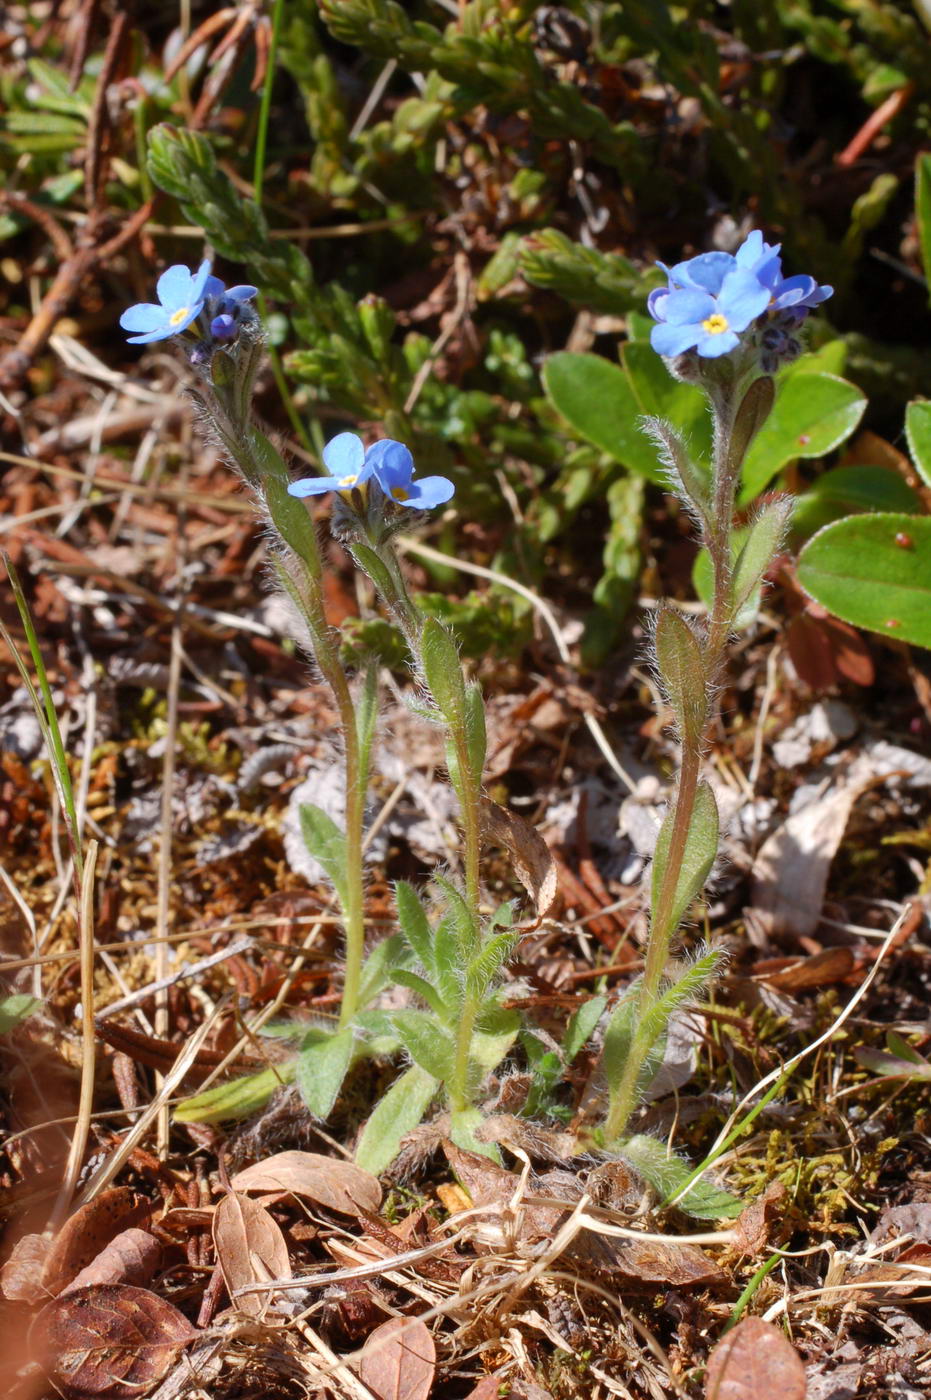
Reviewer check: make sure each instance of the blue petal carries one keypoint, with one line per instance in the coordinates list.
(312, 486)
(344, 455)
(742, 299)
(175, 287)
(683, 308)
(391, 463)
(242, 293)
(213, 287)
(144, 316)
(223, 327)
(200, 280)
(706, 272)
(655, 302)
(431, 491)
(162, 333)
(751, 250)
(674, 340)
(711, 346)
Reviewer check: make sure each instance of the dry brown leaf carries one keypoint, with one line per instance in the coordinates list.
(89, 1231)
(530, 856)
(337, 1185)
(800, 974)
(250, 1249)
(398, 1361)
(754, 1361)
(753, 1227)
(110, 1342)
(645, 1263)
(790, 873)
(20, 1277)
(132, 1257)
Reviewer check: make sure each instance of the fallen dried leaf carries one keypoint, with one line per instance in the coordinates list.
(530, 856)
(799, 974)
(90, 1230)
(754, 1361)
(21, 1274)
(250, 1249)
(336, 1185)
(112, 1341)
(132, 1257)
(398, 1361)
(753, 1226)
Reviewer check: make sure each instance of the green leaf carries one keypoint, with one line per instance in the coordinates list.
(918, 425)
(693, 483)
(383, 961)
(443, 670)
(427, 1043)
(396, 1114)
(16, 1008)
(667, 1174)
(367, 716)
(462, 1130)
(755, 407)
(661, 396)
(596, 398)
(874, 571)
(691, 983)
(488, 961)
(812, 415)
(623, 1030)
(321, 1069)
(700, 850)
(763, 539)
(682, 672)
(425, 990)
(496, 1030)
(238, 1099)
(581, 1026)
(476, 736)
(465, 926)
(848, 491)
(448, 961)
(327, 844)
(293, 522)
(414, 923)
(373, 565)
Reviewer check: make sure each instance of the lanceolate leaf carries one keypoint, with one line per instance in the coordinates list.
(701, 849)
(667, 1174)
(327, 844)
(321, 1069)
(682, 672)
(399, 1112)
(755, 557)
(813, 414)
(428, 1045)
(237, 1099)
(874, 571)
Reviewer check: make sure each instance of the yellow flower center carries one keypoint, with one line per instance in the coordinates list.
(347, 481)
(715, 324)
(400, 494)
(178, 316)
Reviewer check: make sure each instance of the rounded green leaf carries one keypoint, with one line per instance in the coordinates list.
(918, 434)
(812, 415)
(596, 398)
(848, 491)
(874, 571)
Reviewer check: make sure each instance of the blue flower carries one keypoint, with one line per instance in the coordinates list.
(799, 293)
(691, 319)
(393, 468)
(710, 299)
(182, 296)
(387, 462)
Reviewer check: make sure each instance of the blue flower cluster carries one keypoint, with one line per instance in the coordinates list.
(388, 463)
(711, 299)
(183, 296)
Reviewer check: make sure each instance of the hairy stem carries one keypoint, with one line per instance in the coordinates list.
(717, 539)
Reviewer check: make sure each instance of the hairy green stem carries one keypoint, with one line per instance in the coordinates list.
(714, 646)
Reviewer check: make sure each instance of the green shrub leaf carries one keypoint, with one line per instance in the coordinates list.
(874, 571)
(812, 415)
